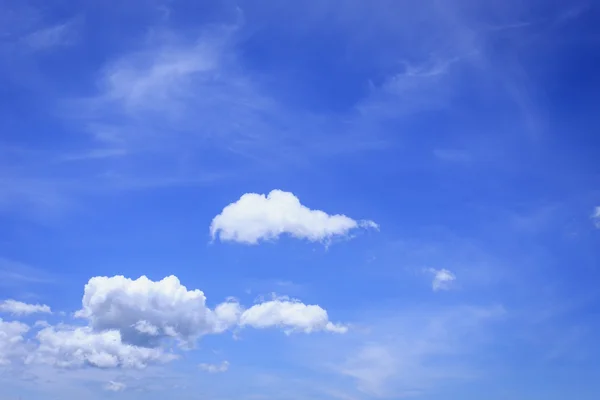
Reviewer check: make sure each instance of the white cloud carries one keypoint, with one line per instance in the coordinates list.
(11, 340)
(290, 315)
(53, 36)
(215, 368)
(256, 217)
(70, 347)
(146, 327)
(145, 311)
(114, 386)
(596, 217)
(442, 279)
(131, 323)
(41, 324)
(227, 315)
(19, 308)
(147, 79)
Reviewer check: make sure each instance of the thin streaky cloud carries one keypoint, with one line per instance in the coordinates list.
(383, 365)
(17, 273)
(596, 217)
(52, 37)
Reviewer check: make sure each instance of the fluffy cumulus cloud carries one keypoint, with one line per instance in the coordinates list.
(144, 311)
(11, 340)
(215, 368)
(132, 323)
(71, 347)
(256, 217)
(291, 315)
(19, 308)
(442, 279)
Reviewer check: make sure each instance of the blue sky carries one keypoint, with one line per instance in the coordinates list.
(323, 199)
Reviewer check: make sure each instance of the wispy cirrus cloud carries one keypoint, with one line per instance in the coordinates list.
(408, 356)
(159, 90)
(27, 30)
(14, 273)
(400, 367)
(160, 111)
(151, 99)
(52, 37)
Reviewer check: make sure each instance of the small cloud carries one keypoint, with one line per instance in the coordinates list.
(215, 368)
(115, 386)
(442, 279)
(41, 324)
(292, 315)
(255, 217)
(596, 217)
(146, 327)
(19, 308)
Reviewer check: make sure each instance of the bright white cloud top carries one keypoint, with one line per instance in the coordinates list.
(442, 279)
(19, 308)
(144, 311)
(255, 217)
